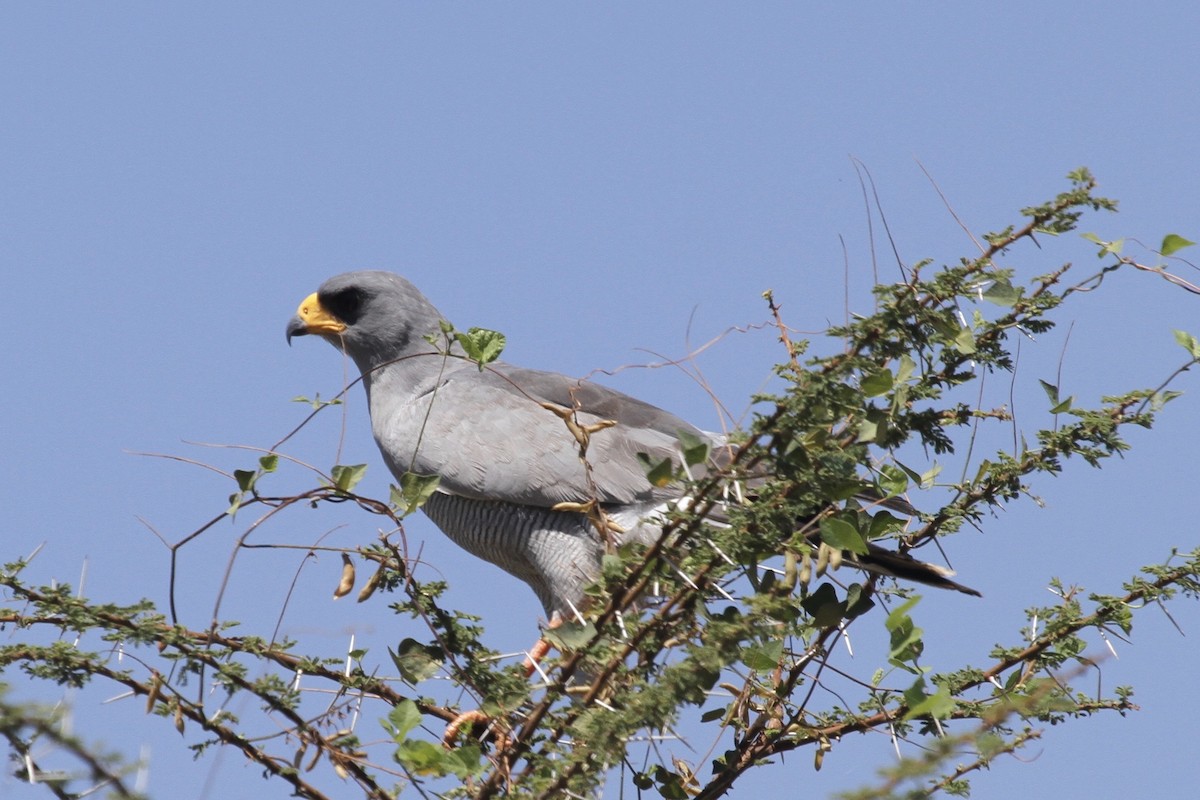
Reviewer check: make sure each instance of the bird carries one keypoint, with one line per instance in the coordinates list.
(504, 442)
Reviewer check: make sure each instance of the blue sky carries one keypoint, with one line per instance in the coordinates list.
(603, 183)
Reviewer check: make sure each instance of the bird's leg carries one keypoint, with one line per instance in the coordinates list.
(472, 718)
(478, 717)
(541, 648)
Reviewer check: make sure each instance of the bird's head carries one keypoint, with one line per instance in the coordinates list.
(375, 317)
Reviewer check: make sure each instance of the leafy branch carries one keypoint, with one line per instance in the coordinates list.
(730, 626)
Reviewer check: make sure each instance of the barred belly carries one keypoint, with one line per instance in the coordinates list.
(556, 552)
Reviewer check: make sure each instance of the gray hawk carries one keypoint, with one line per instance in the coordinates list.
(505, 463)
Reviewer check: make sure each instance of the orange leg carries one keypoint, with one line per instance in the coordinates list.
(536, 653)
(541, 648)
(456, 724)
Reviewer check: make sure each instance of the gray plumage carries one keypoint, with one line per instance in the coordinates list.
(504, 460)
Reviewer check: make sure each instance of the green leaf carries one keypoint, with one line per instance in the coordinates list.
(612, 566)
(570, 635)
(658, 473)
(1057, 406)
(841, 534)
(464, 761)
(857, 603)
(906, 369)
(317, 403)
(823, 606)
(481, 345)
(906, 643)
(883, 523)
(867, 431)
(421, 757)
(899, 615)
(893, 480)
(1114, 247)
(847, 490)
(878, 383)
(1188, 342)
(964, 342)
(346, 477)
(928, 475)
(1064, 406)
(695, 449)
(245, 478)
(503, 704)
(1003, 293)
(403, 717)
(1160, 399)
(268, 463)
(670, 784)
(1172, 243)
(938, 705)
(763, 657)
(910, 472)
(416, 661)
(915, 694)
(413, 491)
(1051, 391)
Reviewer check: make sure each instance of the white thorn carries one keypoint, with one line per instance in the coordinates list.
(720, 552)
(142, 779)
(1108, 644)
(578, 617)
(537, 667)
(117, 697)
(846, 638)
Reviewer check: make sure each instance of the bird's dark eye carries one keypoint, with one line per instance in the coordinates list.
(345, 304)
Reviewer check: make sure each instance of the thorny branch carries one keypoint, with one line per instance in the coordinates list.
(638, 663)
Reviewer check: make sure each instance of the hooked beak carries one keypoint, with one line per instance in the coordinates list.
(312, 317)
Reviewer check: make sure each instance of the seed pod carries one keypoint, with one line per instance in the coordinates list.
(155, 688)
(805, 569)
(316, 758)
(790, 571)
(822, 558)
(835, 557)
(567, 505)
(179, 717)
(819, 757)
(347, 581)
(372, 584)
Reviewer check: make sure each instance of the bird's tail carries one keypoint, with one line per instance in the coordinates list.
(903, 566)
